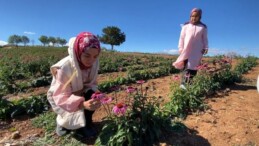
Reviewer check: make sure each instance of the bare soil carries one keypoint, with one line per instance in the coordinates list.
(231, 120)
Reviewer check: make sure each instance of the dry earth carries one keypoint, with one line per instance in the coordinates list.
(231, 120)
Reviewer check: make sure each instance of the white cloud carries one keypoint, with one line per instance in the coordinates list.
(224, 51)
(170, 51)
(2, 43)
(30, 33)
(214, 51)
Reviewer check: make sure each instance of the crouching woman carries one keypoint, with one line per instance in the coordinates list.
(73, 83)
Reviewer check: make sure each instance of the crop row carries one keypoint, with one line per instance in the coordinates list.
(24, 68)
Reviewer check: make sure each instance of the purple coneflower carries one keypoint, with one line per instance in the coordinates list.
(119, 108)
(106, 100)
(176, 78)
(120, 69)
(98, 95)
(130, 89)
(140, 81)
(202, 66)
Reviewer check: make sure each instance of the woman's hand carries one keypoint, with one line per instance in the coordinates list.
(91, 104)
(204, 51)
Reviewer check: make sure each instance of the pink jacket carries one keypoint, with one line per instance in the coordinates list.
(193, 39)
(64, 96)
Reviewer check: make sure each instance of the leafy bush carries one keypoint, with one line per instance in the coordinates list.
(31, 106)
(210, 78)
(139, 120)
(5, 108)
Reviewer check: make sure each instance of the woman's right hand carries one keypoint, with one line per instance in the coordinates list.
(204, 51)
(91, 104)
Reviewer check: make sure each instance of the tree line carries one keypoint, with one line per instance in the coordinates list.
(16, 39)
(112, 35)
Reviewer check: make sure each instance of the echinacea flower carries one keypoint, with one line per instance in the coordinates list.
(202, 66)
(98, 95)
(176, 78)
(106, 100)
(119, 108)
(130, 89)
(140, 81)
(120, 69)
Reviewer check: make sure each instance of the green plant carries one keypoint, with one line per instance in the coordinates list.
(211, 77)
(5, 108)
(138, 120)
(46, 121)
(32, 106)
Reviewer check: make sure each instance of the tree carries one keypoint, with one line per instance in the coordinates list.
(25, 40)
(112, 35)
(62, 42)
(44, 40)
(14, 39)
(58, 40)
(52, 40)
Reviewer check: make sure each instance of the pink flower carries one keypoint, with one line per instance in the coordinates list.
(140, 81)
(98, 95)
(130, 89)
(119, 108)
(176, 78)
(120, 69)
(202, 66)
(106, 100)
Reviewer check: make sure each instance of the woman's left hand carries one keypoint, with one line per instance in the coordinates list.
(92, 104)
(204, 51)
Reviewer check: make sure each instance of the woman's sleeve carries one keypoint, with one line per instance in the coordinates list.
(205, 39)
(63, 96)
(181, 39)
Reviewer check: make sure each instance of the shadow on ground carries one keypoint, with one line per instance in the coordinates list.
(242, 87)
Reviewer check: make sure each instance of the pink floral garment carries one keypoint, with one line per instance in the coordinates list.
(193, 39)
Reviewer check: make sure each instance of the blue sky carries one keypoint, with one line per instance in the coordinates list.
(150, 25)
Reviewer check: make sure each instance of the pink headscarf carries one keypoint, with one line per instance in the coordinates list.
(83, 42)
(199, 11)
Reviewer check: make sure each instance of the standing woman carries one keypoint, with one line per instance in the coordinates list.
(73, 83)
(193, 44)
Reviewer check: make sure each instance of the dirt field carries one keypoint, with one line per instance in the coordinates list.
(231, 120)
